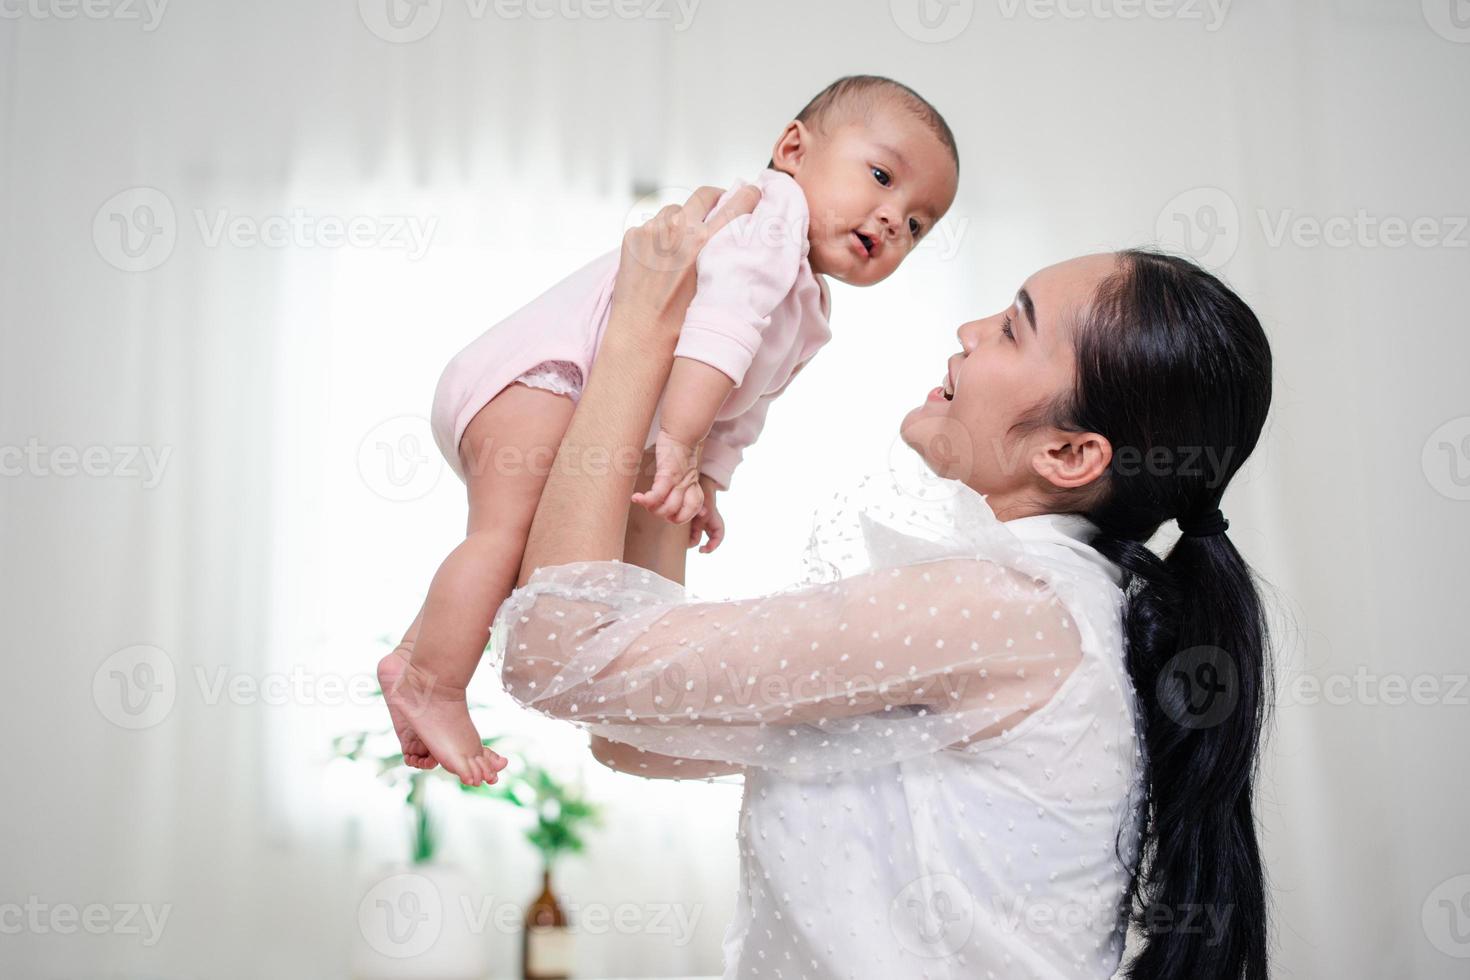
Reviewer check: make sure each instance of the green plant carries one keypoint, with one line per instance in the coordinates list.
(561, 812)
(370, 747)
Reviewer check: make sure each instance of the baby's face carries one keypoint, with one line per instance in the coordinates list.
(874, 188)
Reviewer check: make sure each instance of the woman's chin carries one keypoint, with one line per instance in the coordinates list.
(928, 409)
(942, 442)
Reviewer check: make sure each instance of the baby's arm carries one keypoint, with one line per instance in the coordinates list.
(727, 441)
(744, 273)
(694, 394)
(692, 397)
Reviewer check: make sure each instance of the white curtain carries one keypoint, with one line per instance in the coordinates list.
(239, 521)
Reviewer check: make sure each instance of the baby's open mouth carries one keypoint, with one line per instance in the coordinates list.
(867, 243)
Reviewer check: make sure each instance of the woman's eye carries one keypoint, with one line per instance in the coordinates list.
(882, 176)
(914, 227)
(1005, 328)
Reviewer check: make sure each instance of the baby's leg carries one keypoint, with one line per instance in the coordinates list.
(507, 451)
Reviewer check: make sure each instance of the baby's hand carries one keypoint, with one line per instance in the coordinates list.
(708, 520)
(676, 495)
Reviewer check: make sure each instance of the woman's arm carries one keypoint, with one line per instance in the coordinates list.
(651, 765)
(871, 669)
(868, 669)
(650, 545)
(584, 507)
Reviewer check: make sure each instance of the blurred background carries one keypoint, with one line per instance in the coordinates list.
(241, 240)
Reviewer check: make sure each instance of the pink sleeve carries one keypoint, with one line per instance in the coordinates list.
(727, 441)
(744, 273)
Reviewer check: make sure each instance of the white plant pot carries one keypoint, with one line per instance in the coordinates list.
(411, 924)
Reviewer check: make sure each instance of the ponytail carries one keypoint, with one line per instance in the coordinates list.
(1196, 640)
(1170, 359)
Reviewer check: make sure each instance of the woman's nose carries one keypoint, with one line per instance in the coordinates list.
(969, 335)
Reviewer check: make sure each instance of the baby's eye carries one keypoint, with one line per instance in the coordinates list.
(882, 176)
(914, 227)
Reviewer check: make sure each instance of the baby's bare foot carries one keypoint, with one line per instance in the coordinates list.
(433, 723)
(415, 752)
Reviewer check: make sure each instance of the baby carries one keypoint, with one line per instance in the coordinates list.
(855, 182)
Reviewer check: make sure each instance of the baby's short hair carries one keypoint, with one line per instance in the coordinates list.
(859, 94)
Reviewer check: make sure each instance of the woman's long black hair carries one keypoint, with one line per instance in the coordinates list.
(1175, 370)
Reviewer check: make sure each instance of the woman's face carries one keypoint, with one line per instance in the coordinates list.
(1012, 366)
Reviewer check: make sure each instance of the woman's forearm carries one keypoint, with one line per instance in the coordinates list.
(651, 765)
(582, 515)
(583, 509)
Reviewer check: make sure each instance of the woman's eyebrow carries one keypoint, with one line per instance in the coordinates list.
(1023, 299)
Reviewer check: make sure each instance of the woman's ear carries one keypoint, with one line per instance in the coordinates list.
(1069, 460)
(791, 147)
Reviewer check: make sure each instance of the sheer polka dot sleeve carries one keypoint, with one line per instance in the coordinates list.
(865, 670)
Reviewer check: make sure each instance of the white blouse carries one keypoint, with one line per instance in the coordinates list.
(938, 735)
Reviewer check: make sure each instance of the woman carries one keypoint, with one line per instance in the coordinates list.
(971, 759)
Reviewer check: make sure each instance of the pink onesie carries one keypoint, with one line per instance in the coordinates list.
(759, 314)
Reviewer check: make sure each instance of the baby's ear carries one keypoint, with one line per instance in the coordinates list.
(791, 147)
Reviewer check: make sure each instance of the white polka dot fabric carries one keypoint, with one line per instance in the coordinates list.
(938, 736)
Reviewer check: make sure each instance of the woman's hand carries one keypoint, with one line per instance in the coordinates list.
(583, 511)
(657, 273)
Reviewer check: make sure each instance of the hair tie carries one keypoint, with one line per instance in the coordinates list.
(1203, 527)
